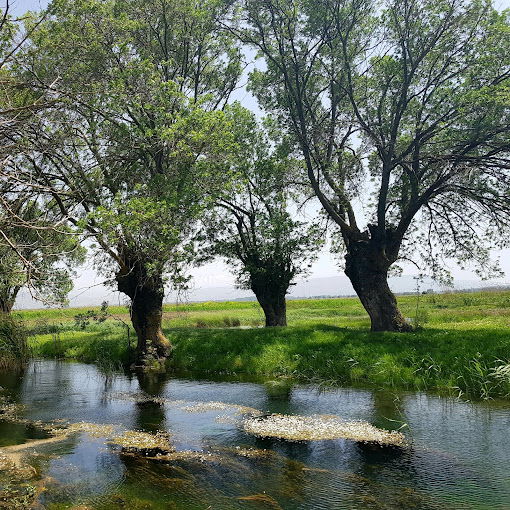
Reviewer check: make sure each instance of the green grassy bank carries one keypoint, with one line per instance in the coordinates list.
(462, 344)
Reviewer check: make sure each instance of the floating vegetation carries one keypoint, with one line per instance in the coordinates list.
(10, 411)
(254, 453)
(18, 496)
(135, 441)
(203, 407)
(92, 429)
(190, 455)
(317, 427)
(142, 398)
(186, 406)
(18, 488)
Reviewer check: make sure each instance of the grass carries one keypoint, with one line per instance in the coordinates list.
(462, 346)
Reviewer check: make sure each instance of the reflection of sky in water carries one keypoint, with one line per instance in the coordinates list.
(460, 456)
(89, 469)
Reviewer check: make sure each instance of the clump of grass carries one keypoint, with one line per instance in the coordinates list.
(13, 342)
(231, 322)
(484, 378)
(105, 345)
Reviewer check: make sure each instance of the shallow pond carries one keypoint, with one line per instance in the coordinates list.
(459, 456)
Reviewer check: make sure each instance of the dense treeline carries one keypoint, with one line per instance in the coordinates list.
(119, 131)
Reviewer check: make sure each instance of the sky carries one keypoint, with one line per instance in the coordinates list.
(214, 280)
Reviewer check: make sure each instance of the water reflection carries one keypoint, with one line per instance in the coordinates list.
(458, 459)
(150, 414)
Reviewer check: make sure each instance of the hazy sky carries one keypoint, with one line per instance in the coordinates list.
(216, 274)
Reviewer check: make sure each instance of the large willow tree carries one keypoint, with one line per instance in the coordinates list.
(404, 107)
(135, 145)
(255, 229)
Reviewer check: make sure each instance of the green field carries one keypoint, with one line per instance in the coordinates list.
(462, 343)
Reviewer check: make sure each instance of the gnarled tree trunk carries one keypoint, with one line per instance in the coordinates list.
(366, 266)
(5, 306)
(146, 293)
(273, 304)
(8, 298)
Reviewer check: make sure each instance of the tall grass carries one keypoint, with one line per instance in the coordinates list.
(13, 342)
(461, 347)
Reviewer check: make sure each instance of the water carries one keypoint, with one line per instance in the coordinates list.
(459, 459)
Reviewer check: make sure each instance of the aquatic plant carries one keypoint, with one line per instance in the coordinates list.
(136, 441)
(318, 427)
(202, 407)
(92, 429)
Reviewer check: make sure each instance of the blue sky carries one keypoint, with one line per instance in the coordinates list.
(216, 274)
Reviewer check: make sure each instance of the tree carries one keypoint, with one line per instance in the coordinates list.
(37, 255)
(18, 102)
(135, 147)
(36, 251)
(409, 101)
(254, 229)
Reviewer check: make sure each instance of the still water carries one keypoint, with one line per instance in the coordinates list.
(459, 457)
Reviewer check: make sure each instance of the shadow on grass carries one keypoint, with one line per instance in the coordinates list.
(458, 360)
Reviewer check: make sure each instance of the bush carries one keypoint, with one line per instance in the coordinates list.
(13, 342)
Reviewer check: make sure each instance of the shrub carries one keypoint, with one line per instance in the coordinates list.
(13, 342)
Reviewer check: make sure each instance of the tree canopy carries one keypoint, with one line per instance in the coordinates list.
(399, 114)
(36, 254)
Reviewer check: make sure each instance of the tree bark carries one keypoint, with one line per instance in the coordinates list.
(5, 306)
(274, 307)
(367, 267)
(8, 299)
(146, 295)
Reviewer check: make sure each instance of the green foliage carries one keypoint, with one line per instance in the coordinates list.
(13, 342)
(38, 254)
(141, 133)
(402, 106)
(255, 229)
(462, 349)
(82, 320)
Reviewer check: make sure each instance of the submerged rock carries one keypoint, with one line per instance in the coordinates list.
(317, 427)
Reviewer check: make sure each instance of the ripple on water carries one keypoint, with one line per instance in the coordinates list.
(459, 458)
